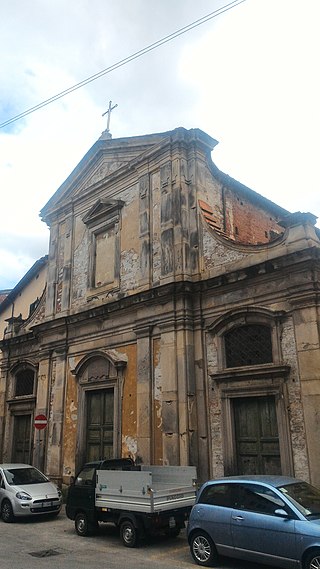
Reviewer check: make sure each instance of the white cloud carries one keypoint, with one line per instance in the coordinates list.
(248, 78)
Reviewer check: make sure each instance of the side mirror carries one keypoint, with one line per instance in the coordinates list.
(71, 480)
(281, 513)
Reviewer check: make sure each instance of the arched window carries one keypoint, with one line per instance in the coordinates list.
(24, 382)
(248, 345)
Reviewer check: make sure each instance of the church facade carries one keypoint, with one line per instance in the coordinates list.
(179, 323)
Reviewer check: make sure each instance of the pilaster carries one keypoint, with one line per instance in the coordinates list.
(144, 412)
(56, 413)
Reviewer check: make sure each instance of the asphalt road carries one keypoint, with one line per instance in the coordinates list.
(53, 543)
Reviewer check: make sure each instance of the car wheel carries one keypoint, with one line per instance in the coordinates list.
(7, 512)
(312, 561)
(83, 527)
(128, 534)
(203, 549)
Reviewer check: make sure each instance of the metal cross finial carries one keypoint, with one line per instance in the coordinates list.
(108, 112)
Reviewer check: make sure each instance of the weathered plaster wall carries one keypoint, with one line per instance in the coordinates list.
(60, 265)
(157, 404)
(216, 254)
(156, 228)
(129, 402)
(214, 408)
(80, 263)
(70, 423)
(296, 414)
(3, 384)
(209, 190)
(308, 350)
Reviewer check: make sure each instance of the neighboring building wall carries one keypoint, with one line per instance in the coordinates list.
(4, 294)
(22, 303)
(24, 297)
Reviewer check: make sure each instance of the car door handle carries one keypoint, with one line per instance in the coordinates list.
(237, 518)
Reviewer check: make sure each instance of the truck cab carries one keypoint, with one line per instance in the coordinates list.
(81, 493)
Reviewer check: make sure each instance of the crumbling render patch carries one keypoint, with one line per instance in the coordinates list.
(131, 446)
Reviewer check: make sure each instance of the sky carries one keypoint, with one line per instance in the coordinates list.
(248, 77)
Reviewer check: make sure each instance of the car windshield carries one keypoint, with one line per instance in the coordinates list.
(24, 475)
(304, 497)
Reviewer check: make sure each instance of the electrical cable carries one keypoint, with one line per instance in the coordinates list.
(126, 60)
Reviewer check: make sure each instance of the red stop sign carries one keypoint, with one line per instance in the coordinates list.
(40, 422)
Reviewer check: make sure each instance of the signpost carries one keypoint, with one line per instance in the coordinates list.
(40, 422)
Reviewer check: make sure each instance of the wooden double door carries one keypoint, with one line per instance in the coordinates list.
(100, 425)
(21, 447)
(256, 435)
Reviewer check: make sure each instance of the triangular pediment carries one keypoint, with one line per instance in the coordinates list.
(104, 167)
(105, 159)
(102, 209)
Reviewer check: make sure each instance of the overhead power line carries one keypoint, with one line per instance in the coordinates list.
(126, 60)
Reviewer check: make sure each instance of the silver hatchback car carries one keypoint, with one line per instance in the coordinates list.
(273, 520)
(25, 491)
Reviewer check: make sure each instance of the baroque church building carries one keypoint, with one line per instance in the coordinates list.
(179, 323)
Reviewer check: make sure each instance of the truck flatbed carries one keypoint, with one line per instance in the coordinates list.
(151, 489)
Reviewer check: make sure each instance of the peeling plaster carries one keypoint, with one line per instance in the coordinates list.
(131, 445)
(158, 391)
(130, 267)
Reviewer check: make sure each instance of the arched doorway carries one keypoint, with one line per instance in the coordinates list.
(21, 406)
(100, 383)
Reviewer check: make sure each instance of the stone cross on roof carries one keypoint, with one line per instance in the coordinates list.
(108, 112)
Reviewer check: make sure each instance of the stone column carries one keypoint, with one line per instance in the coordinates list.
(185, 375)
(52, 271)
(199, 415)
(306, 323)
(40, 436)
(66, 276)
(56, 414)
(144, 379)
(144, 228)
(170, 406)
(4, 374)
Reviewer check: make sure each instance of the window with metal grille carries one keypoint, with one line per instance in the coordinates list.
(24, 382)
(248, 345)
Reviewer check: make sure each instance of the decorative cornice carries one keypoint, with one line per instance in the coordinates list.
(247, 314)
(267, 371)
(102, 210)
(22, 400)
(117, 359)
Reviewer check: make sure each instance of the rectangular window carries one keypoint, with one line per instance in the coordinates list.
(103, 222)
(104, 257)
